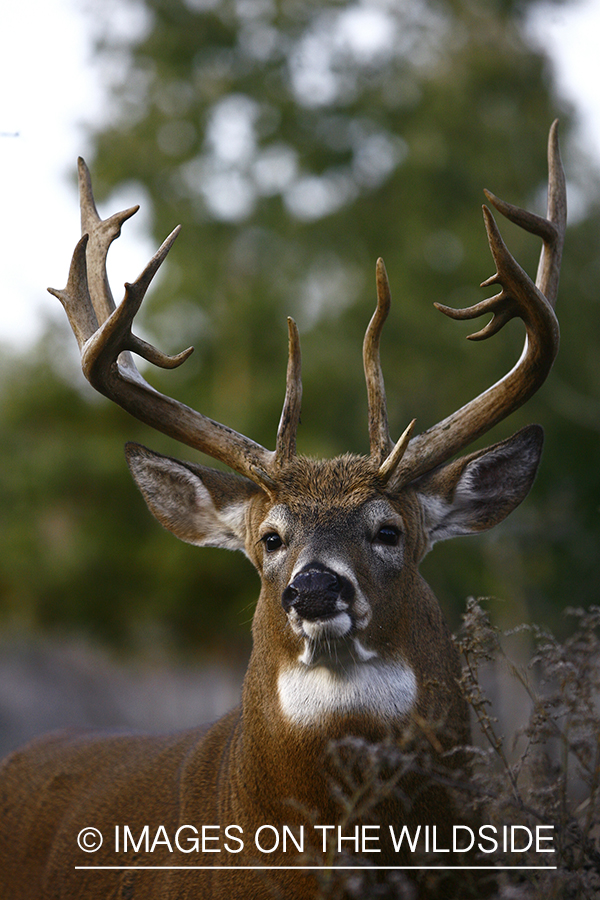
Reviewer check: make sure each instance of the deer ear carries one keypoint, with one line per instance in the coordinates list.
(199, 505)
(478, 491)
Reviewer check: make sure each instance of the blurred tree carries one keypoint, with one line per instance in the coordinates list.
(296, 142)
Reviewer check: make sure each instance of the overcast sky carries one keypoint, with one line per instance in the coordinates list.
(50, 87)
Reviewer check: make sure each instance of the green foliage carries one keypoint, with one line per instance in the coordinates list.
(295, 149)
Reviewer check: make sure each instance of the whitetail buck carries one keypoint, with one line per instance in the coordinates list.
(348, 638)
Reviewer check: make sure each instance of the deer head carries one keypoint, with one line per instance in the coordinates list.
(345, 625)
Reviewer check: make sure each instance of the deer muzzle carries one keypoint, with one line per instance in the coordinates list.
(317, 593)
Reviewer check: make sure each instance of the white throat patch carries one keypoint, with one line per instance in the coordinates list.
(308, 694)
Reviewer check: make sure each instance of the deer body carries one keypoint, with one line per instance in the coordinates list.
(348, 640)
(266, 762)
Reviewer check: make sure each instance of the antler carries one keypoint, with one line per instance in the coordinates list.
(384, 453)
(106, 341)
(519, 297)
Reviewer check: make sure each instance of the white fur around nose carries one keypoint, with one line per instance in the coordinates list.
(384, 689)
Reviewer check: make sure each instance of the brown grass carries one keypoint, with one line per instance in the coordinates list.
(547, 773)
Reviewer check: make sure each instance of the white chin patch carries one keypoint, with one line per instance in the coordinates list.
(384, 689)
(324, 629)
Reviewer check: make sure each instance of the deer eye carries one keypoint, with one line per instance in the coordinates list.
(388, 535)
(272, 542)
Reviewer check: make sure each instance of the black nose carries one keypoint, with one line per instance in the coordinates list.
(314, 593)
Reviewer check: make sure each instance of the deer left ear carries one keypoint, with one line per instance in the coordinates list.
(476, 492)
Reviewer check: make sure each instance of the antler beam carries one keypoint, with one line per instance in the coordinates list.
(519, 297)
(105, 338)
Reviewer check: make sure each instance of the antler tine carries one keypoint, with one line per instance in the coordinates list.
(102, 233)
(104, 336)
(389, 465)
(379, 435)
(285, 448)
(552, 228)
(519, 297)
(115, 336)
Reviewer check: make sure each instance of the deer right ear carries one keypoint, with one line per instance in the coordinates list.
(197, 504)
